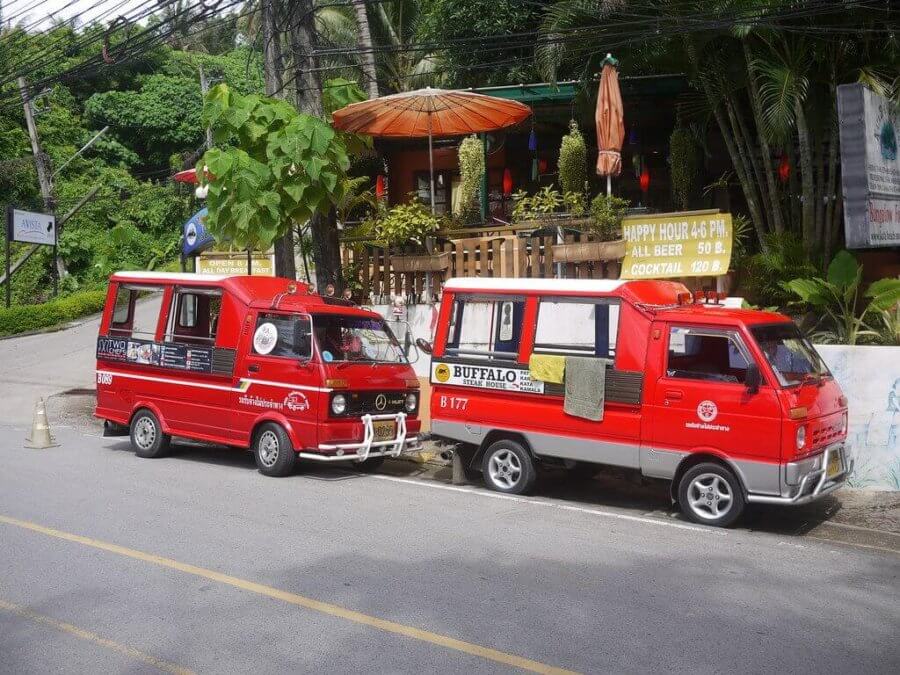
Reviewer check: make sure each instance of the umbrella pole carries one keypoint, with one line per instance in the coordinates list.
(428, 244)
(609, 186)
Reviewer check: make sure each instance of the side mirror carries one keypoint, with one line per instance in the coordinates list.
(753, 378)
(424, 345)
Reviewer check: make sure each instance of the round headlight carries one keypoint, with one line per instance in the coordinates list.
(339, 404)
(801, 437)
(411, 400)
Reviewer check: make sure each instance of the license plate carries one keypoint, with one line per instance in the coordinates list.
(385, 430)
(835, 465)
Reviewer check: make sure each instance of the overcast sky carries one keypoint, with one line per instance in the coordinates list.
(39, 12)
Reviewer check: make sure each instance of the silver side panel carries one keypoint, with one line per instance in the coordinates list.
(658, 463)
(585, 450)
(759, 477)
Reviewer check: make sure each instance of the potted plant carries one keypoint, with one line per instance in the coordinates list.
(409, 226)
(604, 228)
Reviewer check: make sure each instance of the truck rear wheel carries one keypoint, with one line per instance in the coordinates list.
(273, 451)
(147, 437)
(710, 494)
(507, 467)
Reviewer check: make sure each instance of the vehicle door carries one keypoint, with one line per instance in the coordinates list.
(701, 401)
(275, 374)
(199, 405)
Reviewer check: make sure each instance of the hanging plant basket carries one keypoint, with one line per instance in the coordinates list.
(436, 262)
(589, 251)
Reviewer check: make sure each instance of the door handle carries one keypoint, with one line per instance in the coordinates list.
(253, 368)
(674, 394)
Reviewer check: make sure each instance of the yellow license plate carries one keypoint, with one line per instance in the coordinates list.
(835, 465)
(385, 430)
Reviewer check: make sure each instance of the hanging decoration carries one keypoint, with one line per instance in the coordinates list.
(645, 180)
(532, 140)
(379, 186)
(542, 166)
(532, 148)
(784, 169)
(507, 182)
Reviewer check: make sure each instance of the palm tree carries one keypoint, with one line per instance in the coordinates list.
(364, 40)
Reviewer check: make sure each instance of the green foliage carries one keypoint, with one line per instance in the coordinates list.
(542, 204)
(337, 93)
(834, 300)
(284, 166)
(25, 318)
(765, 273)
(573, 161)
(685, 167)
(607, 212)
(406, 224)
(471, 171)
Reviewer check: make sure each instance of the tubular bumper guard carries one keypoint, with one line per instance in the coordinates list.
(824, 485)
(369, 447)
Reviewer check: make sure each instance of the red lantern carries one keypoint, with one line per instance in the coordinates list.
(784, 169)
(507, 182)
(542, 165)
(645, 180)
(379, 186)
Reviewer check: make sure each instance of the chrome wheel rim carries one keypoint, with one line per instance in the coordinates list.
(505, 469)
(709, 496)
(145, 433)
(268, 448)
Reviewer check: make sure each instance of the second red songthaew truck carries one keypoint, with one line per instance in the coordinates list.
(733, 406)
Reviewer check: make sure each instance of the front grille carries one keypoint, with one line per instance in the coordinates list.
(826, 434)
(362, 402)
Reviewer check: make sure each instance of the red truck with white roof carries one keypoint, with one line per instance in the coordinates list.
(254, 362)
(733, 406)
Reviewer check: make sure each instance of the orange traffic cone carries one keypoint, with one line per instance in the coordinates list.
(40, 429)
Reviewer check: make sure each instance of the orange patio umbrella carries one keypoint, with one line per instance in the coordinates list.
(610, 123)
(430, 112)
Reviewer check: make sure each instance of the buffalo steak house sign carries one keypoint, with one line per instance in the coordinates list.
(485, 377)
(689, 244)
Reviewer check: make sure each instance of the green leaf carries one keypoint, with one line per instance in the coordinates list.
(843, 270)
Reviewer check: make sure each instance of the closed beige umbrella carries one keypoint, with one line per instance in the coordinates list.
(610, 123)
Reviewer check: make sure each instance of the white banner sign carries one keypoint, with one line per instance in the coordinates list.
(485, 377)
(31, 228)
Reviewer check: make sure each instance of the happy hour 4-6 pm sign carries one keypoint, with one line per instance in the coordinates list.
(688, 244)
(31, 228)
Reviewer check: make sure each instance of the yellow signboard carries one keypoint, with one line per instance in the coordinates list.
(235, 263)
(689, 244)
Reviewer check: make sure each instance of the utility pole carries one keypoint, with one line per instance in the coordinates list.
(323, 227)
(43, 174)
(204, 89)
(273, 70)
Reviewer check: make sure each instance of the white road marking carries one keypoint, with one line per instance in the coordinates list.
(553, 505)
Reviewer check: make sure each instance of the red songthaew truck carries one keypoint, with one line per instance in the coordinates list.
(733, 406)
(254, 362)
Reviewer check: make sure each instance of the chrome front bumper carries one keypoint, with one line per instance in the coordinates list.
(368, 447)
(806, 492)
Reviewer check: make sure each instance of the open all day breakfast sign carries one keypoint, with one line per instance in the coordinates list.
(688, 244)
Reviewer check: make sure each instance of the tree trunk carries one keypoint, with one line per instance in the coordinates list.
(326, 248)
(774, 198)
(745, 141)
(807, 180)
(364, 42)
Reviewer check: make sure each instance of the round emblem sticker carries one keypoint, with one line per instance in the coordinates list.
(265, 338)
(442, 372)
(707, 411)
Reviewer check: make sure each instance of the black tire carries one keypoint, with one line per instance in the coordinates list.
(702, 491)
(507, 467)
(147, 436)
(369, 465)
(273, 451)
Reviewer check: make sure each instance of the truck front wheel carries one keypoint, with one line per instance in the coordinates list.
(508, 467)
(273, 451)
(710, 494)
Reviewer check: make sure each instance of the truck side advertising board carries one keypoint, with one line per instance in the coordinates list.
(870, 167)
(689, 244)
(180, 357)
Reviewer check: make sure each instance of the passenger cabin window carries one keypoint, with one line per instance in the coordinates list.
(577, 326)
(136, 313)
(706, 355)
(485, 327)
(284, 335)
(194, 316)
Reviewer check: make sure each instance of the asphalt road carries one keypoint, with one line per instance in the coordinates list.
(198, 562)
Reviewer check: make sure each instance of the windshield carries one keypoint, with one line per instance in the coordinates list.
(351, 339)
(791, 356)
